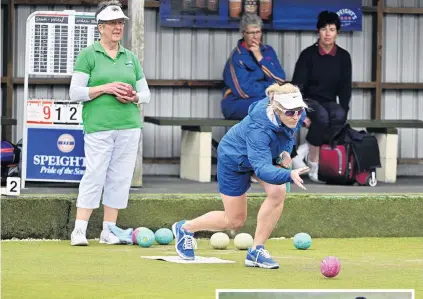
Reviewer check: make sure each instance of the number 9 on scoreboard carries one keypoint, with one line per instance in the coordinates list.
(46, 113)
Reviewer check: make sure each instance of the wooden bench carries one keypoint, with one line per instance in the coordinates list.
(196, 138)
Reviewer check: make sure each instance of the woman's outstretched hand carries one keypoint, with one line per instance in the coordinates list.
(296, 176)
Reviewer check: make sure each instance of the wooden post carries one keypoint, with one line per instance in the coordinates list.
(136, 44)
(10, 31)
(379, 45)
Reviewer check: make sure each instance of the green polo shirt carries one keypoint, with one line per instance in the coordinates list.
(106, 112)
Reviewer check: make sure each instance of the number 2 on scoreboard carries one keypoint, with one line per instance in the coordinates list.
(73, 116)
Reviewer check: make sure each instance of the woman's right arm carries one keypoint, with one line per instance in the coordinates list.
(79, 90)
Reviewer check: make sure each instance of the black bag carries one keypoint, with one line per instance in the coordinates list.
(10, 156)
(361, 156)
(364, 147)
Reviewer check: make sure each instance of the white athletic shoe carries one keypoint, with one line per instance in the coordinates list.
(78, 238)
(298, 162)
(107, 237)
(314, 171)
(303, 150)
(302, 153)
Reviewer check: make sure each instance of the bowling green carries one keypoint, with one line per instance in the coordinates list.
(54, 269)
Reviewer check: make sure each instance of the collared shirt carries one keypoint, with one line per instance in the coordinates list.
(106, 112)
(332, 51)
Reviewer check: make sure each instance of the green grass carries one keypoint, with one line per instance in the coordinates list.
(56, 270)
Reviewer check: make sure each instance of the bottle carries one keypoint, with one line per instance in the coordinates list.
(265, 9)
(213, 5)
(250, 6)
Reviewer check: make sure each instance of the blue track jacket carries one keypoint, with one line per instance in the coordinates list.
(246, 78)
(255, 143)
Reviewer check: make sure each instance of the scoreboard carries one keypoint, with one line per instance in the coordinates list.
(50, 112)
(56, 39)
(53, 139)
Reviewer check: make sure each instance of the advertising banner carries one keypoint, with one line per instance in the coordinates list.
(55, 154)
(276, 14)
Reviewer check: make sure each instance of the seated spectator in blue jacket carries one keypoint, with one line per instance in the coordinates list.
(323, 73)
(250, 69)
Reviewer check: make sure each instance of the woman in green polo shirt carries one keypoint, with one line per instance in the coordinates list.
(109, 80)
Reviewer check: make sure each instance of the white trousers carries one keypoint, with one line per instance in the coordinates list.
(110, 158)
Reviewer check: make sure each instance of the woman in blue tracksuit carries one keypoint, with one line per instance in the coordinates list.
(250, 69)
(251, 148)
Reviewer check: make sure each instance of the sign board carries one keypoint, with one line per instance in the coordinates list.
(53, 144)
(60, 157)
(276, 14)
(50, 113)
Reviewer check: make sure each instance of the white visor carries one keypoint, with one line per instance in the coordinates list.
(290, 100)
(112, 12)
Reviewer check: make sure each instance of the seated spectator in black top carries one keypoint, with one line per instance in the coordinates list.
(323, 73)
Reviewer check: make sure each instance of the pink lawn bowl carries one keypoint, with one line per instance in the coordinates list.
(134, 235)
(330, 266)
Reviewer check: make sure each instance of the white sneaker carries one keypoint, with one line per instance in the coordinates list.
(314, 171)
(302, 153)
(298, 162)
(107, 237)
(303, 150)
(78, 238)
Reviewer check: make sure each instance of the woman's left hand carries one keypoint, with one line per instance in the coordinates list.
(132, 98)
(286, 161)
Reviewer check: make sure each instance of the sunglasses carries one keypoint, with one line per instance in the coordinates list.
(292, 113)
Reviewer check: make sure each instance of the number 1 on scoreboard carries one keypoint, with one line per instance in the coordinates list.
(59, 113)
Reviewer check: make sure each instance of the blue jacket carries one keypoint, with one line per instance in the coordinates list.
(244, 77)
(256, 142)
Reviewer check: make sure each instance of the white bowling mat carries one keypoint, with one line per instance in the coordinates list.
(198, 260)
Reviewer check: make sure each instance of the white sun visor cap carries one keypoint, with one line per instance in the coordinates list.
(290, 100)
(112, 12)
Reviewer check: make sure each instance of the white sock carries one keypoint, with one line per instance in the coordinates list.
(82, 225)
(314, 165)
(184, 229)
(106, 225)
